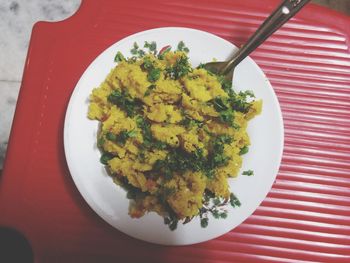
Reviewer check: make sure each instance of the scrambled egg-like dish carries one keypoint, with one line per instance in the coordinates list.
(171, 134)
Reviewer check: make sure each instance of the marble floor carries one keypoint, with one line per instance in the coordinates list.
(16, 21)
(17, 18)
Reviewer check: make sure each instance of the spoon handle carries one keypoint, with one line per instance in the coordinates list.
(281, 15)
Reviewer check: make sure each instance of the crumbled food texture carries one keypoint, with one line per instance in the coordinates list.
(187, 199)
(190, 141)
(169, 133)
(219, 185)
(131, 75)
(164, 113)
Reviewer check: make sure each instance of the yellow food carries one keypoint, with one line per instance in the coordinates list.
(153, 119)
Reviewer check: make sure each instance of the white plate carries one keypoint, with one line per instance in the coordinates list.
(109, 200)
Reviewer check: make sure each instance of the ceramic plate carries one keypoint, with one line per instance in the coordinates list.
(109, 200)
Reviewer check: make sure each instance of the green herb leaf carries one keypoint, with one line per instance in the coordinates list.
(204, 222)
(171, 221)
(131, 194)
(158, 165)
(234, 201)
(119, 57)
(224, 138)
(101, 141)
(141, 53)
(106, 157)
(153, 75)
(160, 145)
(239, 101)
(147, 64)
(216, 201)
(125, 102)
(223, 215)
(135, 49)
(123, 136)
(111, 136)
(189, 123)
(220, 104)
(225, 110)
(244, 150)
(216, 157)
(149, 90)
(146, 131)
(227, 116)
(173, 225)
(215, 214)
(152, 47)
(201, 65)
(181, 47)
(226, 85)
(179, 69)
(248, 172)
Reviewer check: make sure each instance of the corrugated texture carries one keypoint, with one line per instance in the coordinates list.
(306, 216)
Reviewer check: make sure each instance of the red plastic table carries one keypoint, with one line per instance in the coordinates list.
(305, 217)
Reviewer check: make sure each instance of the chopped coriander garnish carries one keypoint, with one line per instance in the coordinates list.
(234, 201)
(226, 85)
(223, 215)
(227, 116)
(153, 72)
(220, 104)
(119, 57)
(106, 157)
(100, 142)
(204, 222)
(135, 49)
(216, 157)
(153, 75)
(141, 53)
(159, 145)
(111, 136)
(152, 47)
(239, 101)
(146, 131)
(216, 201)
(190, 123)
(171, 221)
(149, 90)
(215, 214)
(122, 137)
(131, 195)
(147, 64)
(179, 160)
(244, 150)
(125, 102)
(181, 47)
(201, 65)
(248, 172)
(181, 68)
(225, 110)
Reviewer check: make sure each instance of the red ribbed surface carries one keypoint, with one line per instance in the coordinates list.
(306, 216)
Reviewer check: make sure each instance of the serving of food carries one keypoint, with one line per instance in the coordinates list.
(166, 151)
(172, 135)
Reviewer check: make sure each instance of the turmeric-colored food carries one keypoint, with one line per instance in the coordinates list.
(171, 134)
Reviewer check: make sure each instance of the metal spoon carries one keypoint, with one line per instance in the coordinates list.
(281, 15)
